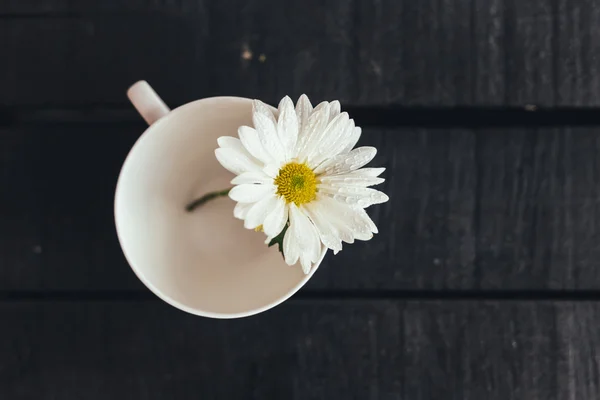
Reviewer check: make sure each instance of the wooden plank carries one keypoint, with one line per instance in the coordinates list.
(53, 8)
(92, 60)
(414, 52)
(578, 63)
(489, 63)
(538, 195)
(580, 357)
(530, 53)
(302, 350)
(58, 231)
(511, 209)
(427, 237)
(485, 209)
(426, 53)
(305, 47)
(57, 214)
(32, 7)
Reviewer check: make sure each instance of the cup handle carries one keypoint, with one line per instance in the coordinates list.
(147, 102)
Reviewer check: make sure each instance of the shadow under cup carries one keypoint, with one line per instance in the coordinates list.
(204, 262)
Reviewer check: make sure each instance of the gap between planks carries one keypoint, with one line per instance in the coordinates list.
(453, 117)
(328, 296)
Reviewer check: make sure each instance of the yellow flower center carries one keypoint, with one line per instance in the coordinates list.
(297, 183)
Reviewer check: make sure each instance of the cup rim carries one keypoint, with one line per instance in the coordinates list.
(138, 271)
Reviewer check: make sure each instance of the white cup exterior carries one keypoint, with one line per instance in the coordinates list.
(205, 262)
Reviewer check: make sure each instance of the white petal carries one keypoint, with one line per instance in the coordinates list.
(317, 122)
(251, 141)
(271, 170)
(230, 142)
(305, 231)
(354, 219)
(355, 136)
(335, 139)
(303, 111)
(324, 142)
(291, 250)
(327, 232)
(241, 210)
(347, 162)
(307, 234)
(303, 236)
(334, 109)
(334, 213)
(367, 172)
(252, 177)
(236, 161)
(276, 220)
(349, 179)
(248, 193)
(306, 263)
(265, 125)
(339, 145)
(267, 134)
(363, 218)
(364, 236)
(287, 126)
(259, 211)
(345, 140)
(322, 105)
(353, 195)
(258, 107)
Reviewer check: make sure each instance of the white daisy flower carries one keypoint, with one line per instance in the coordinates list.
(297, 169)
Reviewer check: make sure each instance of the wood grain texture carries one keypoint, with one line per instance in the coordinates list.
(578, 60)
(414, 52)
(490, 63)
(57, 217)
(538, 205)
(580, 358)
(301, 350)
(94, 59)
(427, 237)
(59, 231)
(426, 53)
(53, 8)
(469, 210)
(530, 52)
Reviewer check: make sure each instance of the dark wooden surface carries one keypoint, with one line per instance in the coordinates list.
(302, 350)
(472, 209)
(484, 281)
(429, 52)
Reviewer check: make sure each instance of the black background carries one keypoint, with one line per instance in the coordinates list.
(483, 283)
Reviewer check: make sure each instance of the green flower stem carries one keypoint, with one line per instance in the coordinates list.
(207, 197)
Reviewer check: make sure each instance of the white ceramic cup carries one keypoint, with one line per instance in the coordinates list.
(203, 262)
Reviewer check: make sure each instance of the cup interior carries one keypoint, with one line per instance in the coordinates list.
(203, 262)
